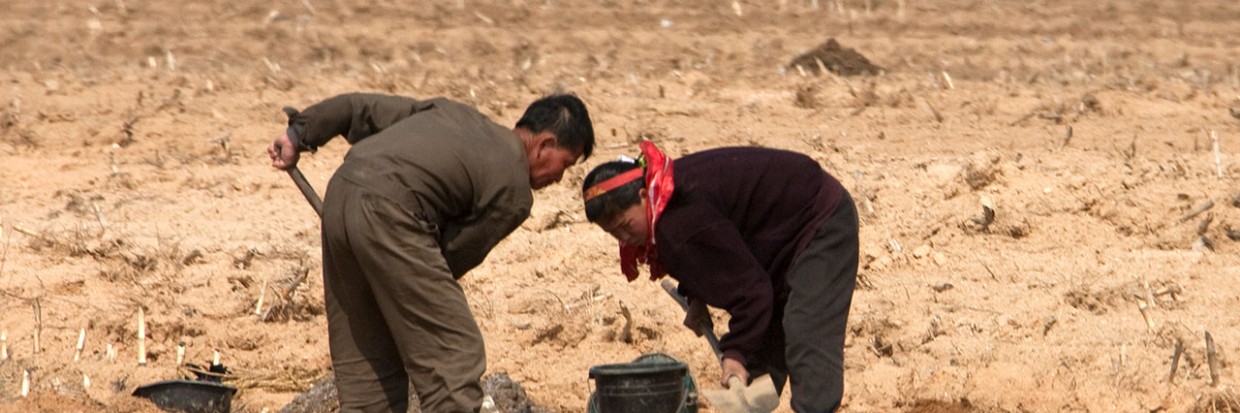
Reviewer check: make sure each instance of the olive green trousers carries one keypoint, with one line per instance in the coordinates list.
(395, 314)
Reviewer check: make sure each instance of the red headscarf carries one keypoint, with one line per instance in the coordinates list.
(659, 187)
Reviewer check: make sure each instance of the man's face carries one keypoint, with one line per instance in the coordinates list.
(548, 162)
(629, 226)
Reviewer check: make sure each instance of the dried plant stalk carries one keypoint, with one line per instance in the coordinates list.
(1149, 294)
(81, 342)
(103, 222)
(141, 337)
(1218, 158)
(1197, 210)
(626, 333)
(1175, 360)
(25, 383)
(1149, 322)
(38, 325)
(262, 294)
(1212, 359)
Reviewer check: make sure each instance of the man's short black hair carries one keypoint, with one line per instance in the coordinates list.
(566, 117)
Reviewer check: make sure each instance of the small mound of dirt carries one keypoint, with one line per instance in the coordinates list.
(321, 398)
(508, 395)
(940, 406)
(838, 59)
(1099, 302)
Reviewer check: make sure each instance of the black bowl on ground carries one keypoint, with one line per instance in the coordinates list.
(189, 396)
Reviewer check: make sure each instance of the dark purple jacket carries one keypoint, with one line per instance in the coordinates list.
(735, 225)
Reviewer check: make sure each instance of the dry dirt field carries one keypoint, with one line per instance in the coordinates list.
(134, 176)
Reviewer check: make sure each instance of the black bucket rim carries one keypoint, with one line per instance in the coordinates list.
(156, 386)
(637, 369)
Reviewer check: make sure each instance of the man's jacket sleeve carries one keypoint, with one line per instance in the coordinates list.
(354, 115)
(465, 244)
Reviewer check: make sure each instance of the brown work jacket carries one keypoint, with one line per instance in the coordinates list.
(445, 162)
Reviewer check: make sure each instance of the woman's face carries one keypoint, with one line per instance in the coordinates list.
(629, 226)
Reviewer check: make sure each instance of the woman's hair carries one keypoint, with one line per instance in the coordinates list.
(612, 202)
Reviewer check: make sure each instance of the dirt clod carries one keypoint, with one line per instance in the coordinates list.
(835, 58)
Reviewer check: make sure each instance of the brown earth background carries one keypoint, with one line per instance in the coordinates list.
(134, 175)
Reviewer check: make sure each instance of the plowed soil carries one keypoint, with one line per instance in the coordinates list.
(134, 176)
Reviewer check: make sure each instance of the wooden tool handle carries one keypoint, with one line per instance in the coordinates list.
(306, 190)
(702, 328)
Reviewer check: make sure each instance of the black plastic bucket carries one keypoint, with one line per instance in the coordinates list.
(189, 396)
(639, 388)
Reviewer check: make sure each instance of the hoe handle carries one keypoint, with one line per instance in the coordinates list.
(703, 328)
(306, 190)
